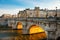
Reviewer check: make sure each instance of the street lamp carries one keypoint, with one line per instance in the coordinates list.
(56, 13)
(56, 18)
(26, 18)
(46, 13)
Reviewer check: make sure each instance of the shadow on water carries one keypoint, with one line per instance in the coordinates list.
(17, 35)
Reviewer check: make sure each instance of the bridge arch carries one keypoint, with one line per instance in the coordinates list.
(35, 29)
(37, 32)
(19, 25)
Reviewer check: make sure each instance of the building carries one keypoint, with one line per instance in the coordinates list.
(36, 12)
(6, 16)
(51, 13)
(14, 16)
(58, 13)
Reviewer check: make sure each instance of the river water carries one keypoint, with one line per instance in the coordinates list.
(17, 35)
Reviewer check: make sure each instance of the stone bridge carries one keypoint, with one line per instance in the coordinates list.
(49, 25)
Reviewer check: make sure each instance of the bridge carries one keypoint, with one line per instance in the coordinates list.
(50, 25)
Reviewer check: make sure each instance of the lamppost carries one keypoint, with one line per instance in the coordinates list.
(56, 13)
(46, 13)
(55, 21)
(26, 18)
(56, 18)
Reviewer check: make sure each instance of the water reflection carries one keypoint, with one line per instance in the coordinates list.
(17, 35)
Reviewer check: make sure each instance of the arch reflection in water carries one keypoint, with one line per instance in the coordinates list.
(37, 33)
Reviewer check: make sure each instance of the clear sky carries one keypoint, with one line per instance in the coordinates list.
(13, 6)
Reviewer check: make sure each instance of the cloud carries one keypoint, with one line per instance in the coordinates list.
(50, 4)
(55, 4)
(13, 9)
(10, 11)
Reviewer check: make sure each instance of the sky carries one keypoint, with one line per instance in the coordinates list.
(14, 6)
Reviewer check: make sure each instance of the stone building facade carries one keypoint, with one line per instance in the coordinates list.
(36, 12)
(58, 12)
(6, 15)
(51, 13)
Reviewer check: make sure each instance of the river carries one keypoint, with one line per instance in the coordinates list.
(17, 35)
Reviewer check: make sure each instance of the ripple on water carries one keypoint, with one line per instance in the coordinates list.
(17, 35)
